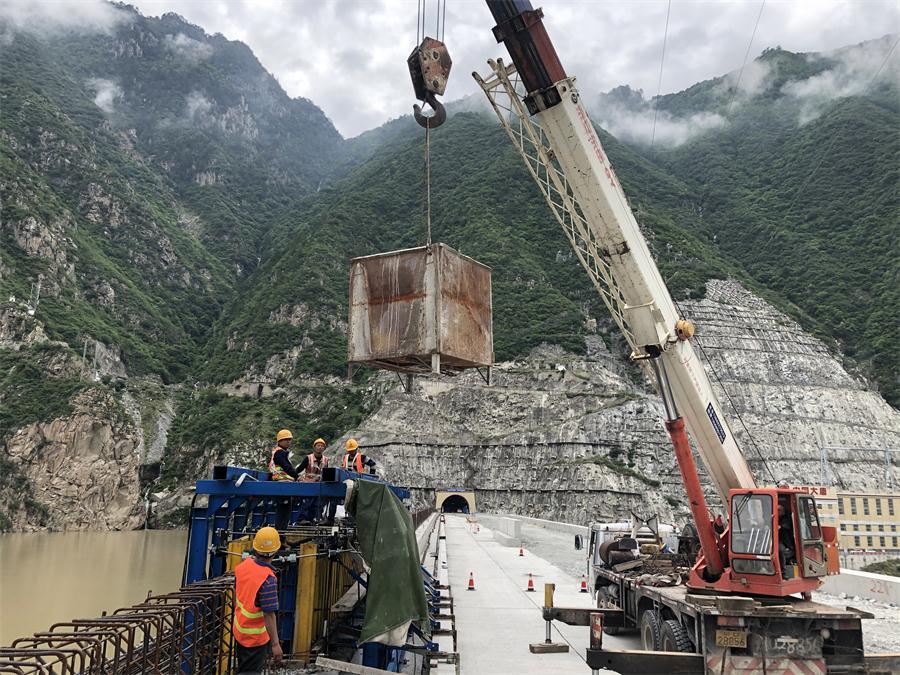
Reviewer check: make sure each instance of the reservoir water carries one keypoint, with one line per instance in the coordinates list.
(47, 577)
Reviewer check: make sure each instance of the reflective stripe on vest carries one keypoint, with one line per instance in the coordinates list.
(277, 472)
(312, 467)
(357, 461)
(249, 625)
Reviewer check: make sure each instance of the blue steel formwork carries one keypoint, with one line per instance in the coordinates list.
(232, 508)
(222, 510)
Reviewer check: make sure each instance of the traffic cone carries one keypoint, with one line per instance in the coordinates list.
(521, 552)
(471, 586)
(584, 588)
(530, 587)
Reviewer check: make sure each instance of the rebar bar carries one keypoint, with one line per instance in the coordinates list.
(188, 631)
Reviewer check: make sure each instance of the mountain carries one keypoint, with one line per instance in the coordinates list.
(190, 228)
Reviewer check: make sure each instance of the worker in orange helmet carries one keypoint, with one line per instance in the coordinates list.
(255, 625)
(354, 460)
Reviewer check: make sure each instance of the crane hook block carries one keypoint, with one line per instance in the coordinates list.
(429, 67)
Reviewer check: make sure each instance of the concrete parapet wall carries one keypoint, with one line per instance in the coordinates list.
(553, 525)
(878, 587)
(505, 540)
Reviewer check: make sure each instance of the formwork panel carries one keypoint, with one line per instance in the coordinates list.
(406, 306)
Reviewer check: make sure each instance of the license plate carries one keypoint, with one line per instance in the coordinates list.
(731, 638)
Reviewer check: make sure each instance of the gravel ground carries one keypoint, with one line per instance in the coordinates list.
(881, 634)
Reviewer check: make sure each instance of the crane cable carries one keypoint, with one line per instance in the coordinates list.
(696, 341)
(737, 85)
(439, 31)
(662, 60)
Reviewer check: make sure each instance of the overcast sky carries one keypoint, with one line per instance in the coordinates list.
(349, 56)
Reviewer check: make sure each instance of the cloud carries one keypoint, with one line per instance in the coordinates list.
(46, 17)
(851, 75)
(187, 48)
(625, 114)
(198, 106)
(306, 44)
(107, 93)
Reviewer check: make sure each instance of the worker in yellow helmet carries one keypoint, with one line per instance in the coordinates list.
(311, 472)
(282, 470)
(255, 625)
(354, 460)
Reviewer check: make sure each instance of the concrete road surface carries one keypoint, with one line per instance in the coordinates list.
(496, 622)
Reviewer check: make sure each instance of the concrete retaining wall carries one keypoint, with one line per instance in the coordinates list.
(553, 525)
(508, 531)
(878, 587)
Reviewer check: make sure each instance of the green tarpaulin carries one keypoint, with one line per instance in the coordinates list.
(387, 542)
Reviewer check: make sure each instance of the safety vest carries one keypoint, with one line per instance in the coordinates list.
(249, 625)
(313, 471)
(277, 472)
(357, 460)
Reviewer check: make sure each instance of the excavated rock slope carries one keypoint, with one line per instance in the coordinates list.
(572, 438)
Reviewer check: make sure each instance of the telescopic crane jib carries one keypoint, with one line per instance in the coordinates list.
(538, 105)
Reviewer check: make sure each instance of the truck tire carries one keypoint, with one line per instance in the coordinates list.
(604, 600)
(651, 631)
(675, 637)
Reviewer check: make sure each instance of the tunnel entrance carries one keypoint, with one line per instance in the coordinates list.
(455, 504)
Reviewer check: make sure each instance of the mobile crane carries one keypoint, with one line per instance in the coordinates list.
(764, 556)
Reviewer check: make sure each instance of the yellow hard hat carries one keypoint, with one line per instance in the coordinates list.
(282, 435)
(351, 444)
(319, 440)
(267, 540)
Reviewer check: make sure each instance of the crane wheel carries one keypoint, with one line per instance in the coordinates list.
(675, 637)
(651, 631)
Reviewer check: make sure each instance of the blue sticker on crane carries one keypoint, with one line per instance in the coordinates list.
(717, 425)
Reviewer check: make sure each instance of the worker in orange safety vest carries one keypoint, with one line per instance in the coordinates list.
(354, 460)
(255, 626)
(311, 472)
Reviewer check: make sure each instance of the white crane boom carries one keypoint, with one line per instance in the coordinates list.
(562, 152)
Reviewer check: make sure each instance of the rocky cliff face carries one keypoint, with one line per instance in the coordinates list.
(573, 438)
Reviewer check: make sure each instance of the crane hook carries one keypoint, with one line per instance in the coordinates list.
(430, 121)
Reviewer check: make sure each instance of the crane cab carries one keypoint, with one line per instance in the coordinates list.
(774, 545)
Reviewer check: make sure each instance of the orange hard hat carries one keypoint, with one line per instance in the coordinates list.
(351, 444)
(319, 440)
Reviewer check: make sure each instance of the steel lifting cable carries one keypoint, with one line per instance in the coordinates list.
(662, 61)
(428, 186)
(702, 352)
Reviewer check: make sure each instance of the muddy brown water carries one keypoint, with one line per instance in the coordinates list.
(47, 577)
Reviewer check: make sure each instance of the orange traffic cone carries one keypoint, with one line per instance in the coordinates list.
(584, 588)
(471, 586)
(530, 583)
(521, 552)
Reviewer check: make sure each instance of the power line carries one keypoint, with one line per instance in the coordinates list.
(737, 86)
(659, 83)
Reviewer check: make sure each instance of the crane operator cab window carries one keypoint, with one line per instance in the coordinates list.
(787, 548)
(814, 563)
(751, 533)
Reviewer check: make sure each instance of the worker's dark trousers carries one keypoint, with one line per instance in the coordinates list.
(283, 513)
(250, 659)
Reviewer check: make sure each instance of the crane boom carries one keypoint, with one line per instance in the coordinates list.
(554, 135)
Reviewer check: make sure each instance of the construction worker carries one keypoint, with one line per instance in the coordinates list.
(256, 604)
(282, 470)
(312, 465)
(311, 472)
(354, 460)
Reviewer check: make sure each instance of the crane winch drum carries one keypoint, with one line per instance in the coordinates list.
(420, 310)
